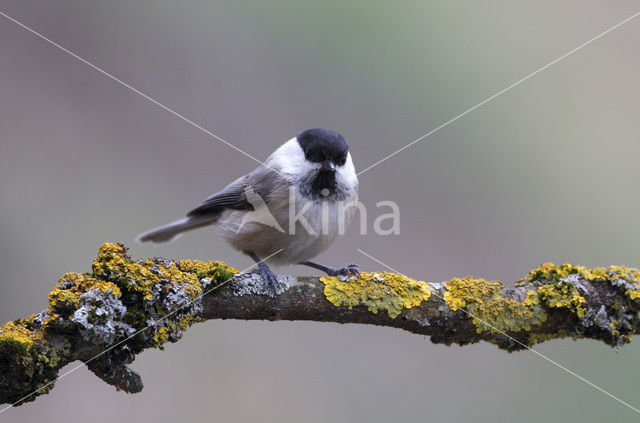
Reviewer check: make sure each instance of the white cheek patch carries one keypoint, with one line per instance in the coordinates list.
(347, 173)
(289, 157)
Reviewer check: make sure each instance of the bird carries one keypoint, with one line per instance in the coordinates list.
(288, 210)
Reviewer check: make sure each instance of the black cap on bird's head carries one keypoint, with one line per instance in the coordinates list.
(324, 146)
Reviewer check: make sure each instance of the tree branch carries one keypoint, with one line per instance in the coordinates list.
(105, 317)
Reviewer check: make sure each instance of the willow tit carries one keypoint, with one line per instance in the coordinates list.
(286, 211)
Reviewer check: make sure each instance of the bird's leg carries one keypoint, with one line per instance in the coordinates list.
(269, 279)
(349, 269)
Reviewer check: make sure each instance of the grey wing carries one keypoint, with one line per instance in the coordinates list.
(262, 181)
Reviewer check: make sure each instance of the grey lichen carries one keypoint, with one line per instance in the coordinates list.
(424, 322)
(436, 286)
(624, 284)
(618, 324)
(99, 315)
(251, 283)
(574, 279)
(178, 298)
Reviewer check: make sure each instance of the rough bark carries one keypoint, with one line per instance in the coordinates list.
(105, 317)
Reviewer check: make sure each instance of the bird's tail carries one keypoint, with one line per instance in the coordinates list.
(174, 229)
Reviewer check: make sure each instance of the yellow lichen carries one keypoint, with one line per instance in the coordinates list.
(16, 333)
(629, 277)
(634, 293)
(563, 295)
(160, 337)
(134, 284)
(141, 277)
(108, 288)
(377, 291)
(532, 299)
(212, 269)
(490, 311)
(63, 297)
(556, 273)
(25, 357)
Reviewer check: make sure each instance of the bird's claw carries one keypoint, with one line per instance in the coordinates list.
(269, 279)
(348, 270)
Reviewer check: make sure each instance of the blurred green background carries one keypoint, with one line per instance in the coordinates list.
(546, 172)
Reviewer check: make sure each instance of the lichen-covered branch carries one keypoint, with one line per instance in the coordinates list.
(107, 316)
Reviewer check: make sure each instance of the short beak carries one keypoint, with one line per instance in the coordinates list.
(329, 165)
